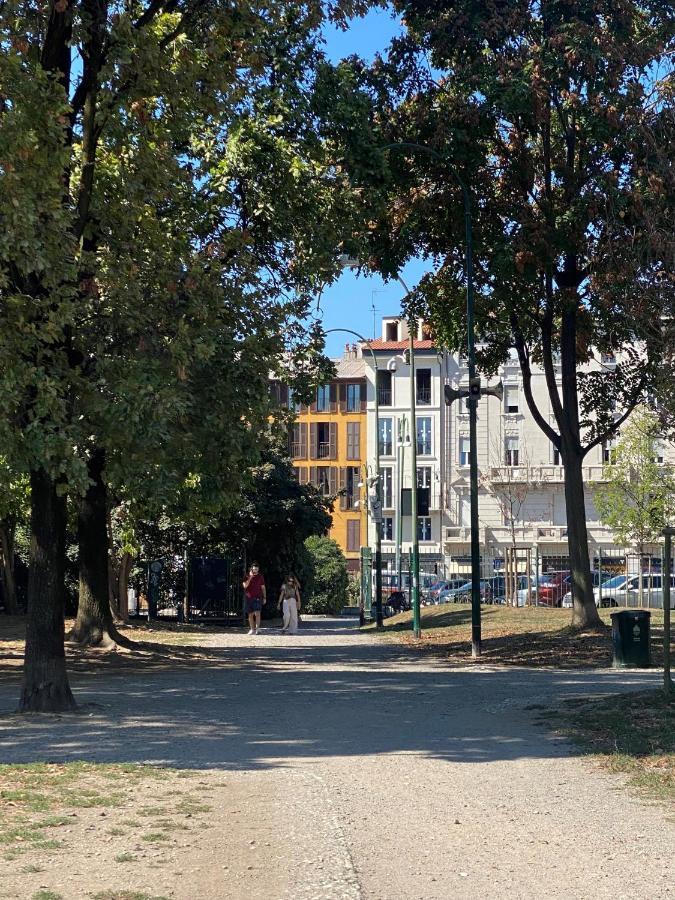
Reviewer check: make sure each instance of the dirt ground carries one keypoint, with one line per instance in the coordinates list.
(358, 767)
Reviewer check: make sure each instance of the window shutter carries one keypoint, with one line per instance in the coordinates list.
(302, 474)
(342, 389)
(302, 428)
(364, 391)
(332, 437)
(356, 441)
(283, 394)
(313, 475)
(344, 500)
(312, 406)
(333, 397)
(332, 481)
(313, 441)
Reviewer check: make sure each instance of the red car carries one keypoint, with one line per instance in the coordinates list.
(553, 587)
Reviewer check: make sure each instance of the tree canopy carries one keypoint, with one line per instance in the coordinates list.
(557, 117)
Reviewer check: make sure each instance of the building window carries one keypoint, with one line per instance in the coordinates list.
(511, 400)
(353, 478)
(323, 432)
(353, 535)
(424, 476)
(293, 404)
(609, 450)
(424, 528)
(511, 451)
(658, 454)
(391, 331)
(423, 387)
(385, 441)
(555, 454)
(323, 480)
(424, 436)
(387, 528)
(299, 441)
(323, 398)
(607, 359)
(353, 398)
(387, 488)
(353, 440)
(464, 451)
(384, 392)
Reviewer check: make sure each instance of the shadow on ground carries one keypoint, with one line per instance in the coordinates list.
(263, 705)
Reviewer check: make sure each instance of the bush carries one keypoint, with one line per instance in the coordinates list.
(326, 587)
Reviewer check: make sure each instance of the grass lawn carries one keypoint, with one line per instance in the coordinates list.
(528, 636)
(631, 734)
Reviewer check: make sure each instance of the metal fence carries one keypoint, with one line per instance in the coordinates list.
(531, 575)
(197, 589)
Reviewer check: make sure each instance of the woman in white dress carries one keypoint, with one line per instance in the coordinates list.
(289, 600)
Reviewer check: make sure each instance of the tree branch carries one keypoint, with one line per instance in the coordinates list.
(527, 384)
(619, 422)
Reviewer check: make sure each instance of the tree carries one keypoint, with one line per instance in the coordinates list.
(510, 491)
(146, 199)
(638, 498)
(274, 517)
(558, 118)
(13, 514)
(326, 588)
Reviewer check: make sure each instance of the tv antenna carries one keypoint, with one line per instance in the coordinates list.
(374, 310)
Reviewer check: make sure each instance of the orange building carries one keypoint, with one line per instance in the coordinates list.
(328, 450)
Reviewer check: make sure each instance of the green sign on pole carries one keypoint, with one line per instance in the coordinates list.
(367, 582)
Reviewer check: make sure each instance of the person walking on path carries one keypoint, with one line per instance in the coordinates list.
(256, 597)
(289, 598)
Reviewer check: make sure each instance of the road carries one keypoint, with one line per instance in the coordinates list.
(407, 779)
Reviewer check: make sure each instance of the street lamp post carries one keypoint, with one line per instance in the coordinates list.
(474, 393)
(377, 519)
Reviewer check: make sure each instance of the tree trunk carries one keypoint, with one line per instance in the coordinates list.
(585, 613)
(94, 624)
(45, 685)
(8, 582)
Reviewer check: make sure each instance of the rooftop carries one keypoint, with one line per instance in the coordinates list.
(379, 344)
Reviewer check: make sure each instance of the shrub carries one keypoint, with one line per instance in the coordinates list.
(326, 588)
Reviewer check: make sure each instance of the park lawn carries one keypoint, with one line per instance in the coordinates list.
(631, 734)
(526, 636)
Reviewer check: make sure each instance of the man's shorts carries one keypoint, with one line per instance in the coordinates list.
(253, 605)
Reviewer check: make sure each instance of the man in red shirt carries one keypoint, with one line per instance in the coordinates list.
(256, 597)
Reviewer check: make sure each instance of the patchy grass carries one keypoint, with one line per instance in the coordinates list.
(41, 803)
(46, 895)
(630, 734)
(529, 636)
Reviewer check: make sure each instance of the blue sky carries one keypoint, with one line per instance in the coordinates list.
(349, 302)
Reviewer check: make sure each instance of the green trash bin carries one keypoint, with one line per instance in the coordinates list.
(630, 638)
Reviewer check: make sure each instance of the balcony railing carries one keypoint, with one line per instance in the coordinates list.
(384, 396)
(423, 396)
(323, 451)
(540, 474)
(298, 451)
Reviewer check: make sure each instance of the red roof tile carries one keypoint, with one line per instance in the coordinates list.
(379, 344)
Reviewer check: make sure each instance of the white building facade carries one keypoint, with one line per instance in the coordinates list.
(521, 479)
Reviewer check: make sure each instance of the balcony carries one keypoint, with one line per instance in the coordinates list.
(298, 451)
(423, 396)
(384, 396)
(537, 475)
(323, 451)
(552, 533)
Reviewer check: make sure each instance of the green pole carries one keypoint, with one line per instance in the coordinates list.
(399, 486)
(417, 622)
(667, 571)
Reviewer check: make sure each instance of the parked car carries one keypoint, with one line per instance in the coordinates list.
(624, 590)
(430, 595)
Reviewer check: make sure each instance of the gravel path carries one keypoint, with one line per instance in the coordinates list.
(416, 780)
